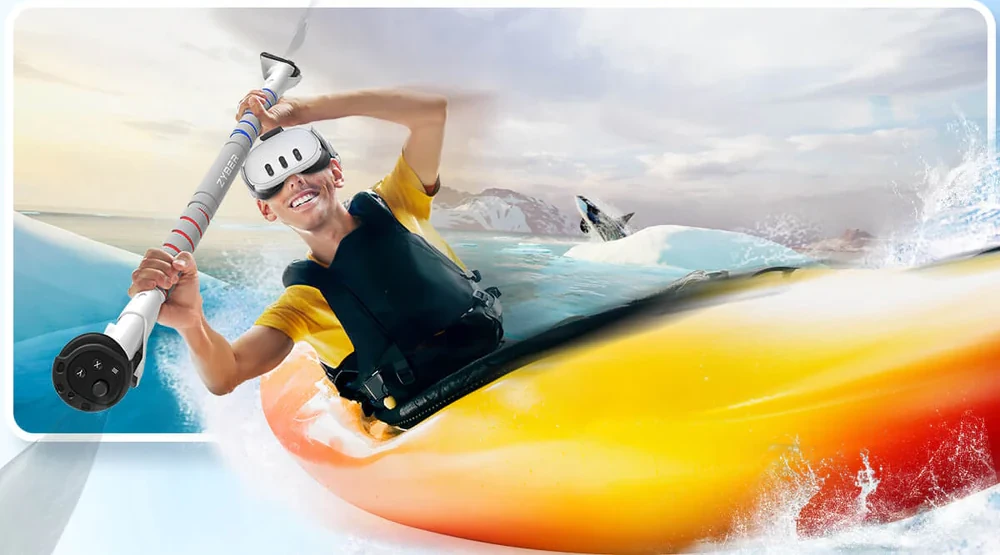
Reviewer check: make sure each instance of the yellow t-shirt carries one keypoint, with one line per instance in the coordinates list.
(304, 315)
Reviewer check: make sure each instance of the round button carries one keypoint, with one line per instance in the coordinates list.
(100, 388)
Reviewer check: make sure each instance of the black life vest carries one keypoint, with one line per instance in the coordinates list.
(413, 316)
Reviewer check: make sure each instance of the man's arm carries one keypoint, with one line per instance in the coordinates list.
(423, 114)
(223, 367)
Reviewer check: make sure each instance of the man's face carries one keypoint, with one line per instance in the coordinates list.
(306, 201)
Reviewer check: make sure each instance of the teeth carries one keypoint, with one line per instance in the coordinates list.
(302, 200)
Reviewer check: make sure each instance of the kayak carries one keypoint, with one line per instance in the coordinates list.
(847, 396)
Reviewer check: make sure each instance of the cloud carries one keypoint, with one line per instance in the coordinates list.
(675, 73)
(173, 127)
(771, 169)
(212, 53)
(738, 70)
(762, 105)
(918, 63)
(25, 70)
(226, 54)
(719, 157)
(878, 142)
(527, 51)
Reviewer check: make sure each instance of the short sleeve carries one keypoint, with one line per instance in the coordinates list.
(283, 315)
(303, 315)
(405, 193)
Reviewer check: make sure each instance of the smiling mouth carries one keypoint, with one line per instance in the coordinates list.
(304, 198)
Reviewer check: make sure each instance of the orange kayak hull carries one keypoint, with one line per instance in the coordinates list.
(848, 396)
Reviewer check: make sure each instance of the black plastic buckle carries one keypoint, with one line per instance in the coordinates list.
(484, 297)
(404, 373)
(374, 384)
(473, 275)
(394, 360)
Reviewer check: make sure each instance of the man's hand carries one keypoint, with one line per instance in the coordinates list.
(183, 309)
(221, 366)
(281, 114)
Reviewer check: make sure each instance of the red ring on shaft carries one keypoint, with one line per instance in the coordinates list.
(196, 226)
(184, 235)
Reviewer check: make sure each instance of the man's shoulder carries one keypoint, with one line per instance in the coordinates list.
(403, 191)
(298, 297)
(404, 176)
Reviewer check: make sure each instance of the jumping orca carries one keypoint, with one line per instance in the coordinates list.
(593, 218)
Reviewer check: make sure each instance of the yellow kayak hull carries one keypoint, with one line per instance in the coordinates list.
(687, 427)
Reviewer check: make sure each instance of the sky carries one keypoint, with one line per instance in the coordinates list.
(711, 117)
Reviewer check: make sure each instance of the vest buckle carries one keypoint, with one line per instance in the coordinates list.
(374, 386)
(473, 275)
(394, 359)
(404, 373)
(483, 297)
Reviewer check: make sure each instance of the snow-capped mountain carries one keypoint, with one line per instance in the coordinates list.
(500, 210)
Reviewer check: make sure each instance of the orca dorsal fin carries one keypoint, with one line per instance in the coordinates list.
(627, 217)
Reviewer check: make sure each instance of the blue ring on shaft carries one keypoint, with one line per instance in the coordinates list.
(265, 89)
(242, 132)
(250, 123)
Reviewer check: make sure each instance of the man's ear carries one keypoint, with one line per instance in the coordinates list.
(265, 210)
(338, 174)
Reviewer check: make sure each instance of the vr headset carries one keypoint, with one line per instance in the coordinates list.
(282, 153)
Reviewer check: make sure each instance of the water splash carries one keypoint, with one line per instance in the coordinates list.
(784, 491)
(785, 229)
(957, 208)
(867, 483)
(957, 519)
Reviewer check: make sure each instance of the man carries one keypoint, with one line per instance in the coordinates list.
(387, 315)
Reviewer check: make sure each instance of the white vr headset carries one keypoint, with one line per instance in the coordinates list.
(281, 153)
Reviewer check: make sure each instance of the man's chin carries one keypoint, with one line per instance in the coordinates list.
(312, 219)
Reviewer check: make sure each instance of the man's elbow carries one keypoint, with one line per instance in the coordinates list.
(440, 106)
(220, 387)
(435, 111)
(219, 390)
